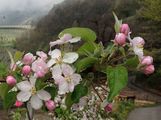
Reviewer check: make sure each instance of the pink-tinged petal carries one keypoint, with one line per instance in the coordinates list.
(36, 103)
(76, 78)
(28, 58)
(71, 86)
(67, 70)
(23, 96)
(56, 70)
(51, 62)
(66, 37)
(63, 88)
(57, 42)
(24, 86)
(74, 40)
(70, 57)
(43, 95)
(58, 79)
(42, 55)
(55, 54)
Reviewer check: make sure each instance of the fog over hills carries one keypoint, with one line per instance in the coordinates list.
(15, 12)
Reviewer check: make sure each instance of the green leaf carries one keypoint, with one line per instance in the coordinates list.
(52, 90)
(86, 34)
(39, 84)
(79, 92)
(9, 100)
(18, 55)
(87, 48)
(3, 70)
(117, 79)
(117, 23)
(132, 62)
(4, 88)
(85, 63)
(68, 101)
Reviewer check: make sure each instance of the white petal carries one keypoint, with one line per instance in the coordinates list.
(70, 57)
(24, 86)
(71, 86)
(139, 52)
(63, 88)
(57, 42)
(51, 62)
(74, 40)
(55, 54)
(23, 96)
(33, 80)
(67, 70)
(58, 79)
(76, 78)
(43, 95)
(56, 70)
(36, 103)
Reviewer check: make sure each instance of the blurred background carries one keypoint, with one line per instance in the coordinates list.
(29, 25)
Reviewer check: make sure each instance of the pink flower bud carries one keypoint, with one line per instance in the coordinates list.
(138, 42)
(50, 104)
(11, 80)
(149, 69)
(147, 60)
(28, 58)
(120, 39)
(125, 29)
(108, 107)
(40, 74)
(18, 103)
(26, 70)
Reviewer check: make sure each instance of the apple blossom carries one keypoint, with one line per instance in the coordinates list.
(50, 104)
(18, 103)
(58, 58)
(65, 39)
(147, 60)
(125, 29)
(26, 70)
(40, 68)
(28, 58)
(120, 39)
(29, 92)
(42, 55)
(11, 80)
(65, 78)
(148, 69)
(137, 44)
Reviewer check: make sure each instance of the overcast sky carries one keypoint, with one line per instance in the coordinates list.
(26, 4)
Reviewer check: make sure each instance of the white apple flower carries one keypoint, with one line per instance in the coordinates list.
(29, 92)
(58, 58)
(65, 78)
(66, 38)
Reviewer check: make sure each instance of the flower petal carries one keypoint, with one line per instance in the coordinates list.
(43, 95)
(74, 40)
(67, 70)
(63, 88)
(57, 42)
(23, 96)
(70, 57)
(76, 78)
(139, 52)
(33, 80)
(56, 70)
(55, 54)
(36, 103)
(24, 86)
(51, 62)
(71, 86)
(58, 79)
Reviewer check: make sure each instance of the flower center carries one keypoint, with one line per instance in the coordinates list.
(68, 79)
(58, 60)
(33, 91)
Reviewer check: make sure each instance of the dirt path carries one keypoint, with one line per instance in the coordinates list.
(149, 113)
